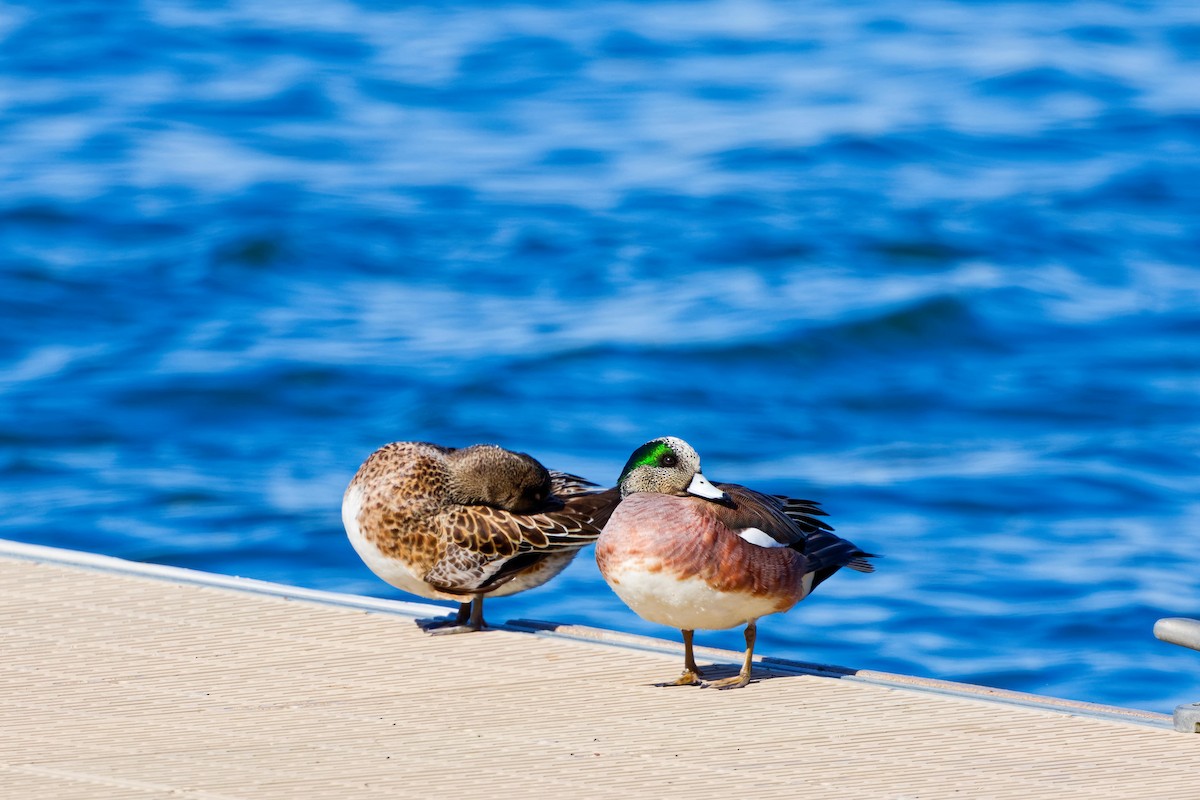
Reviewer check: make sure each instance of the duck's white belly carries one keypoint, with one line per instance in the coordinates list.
(392, 570)
(687, 603)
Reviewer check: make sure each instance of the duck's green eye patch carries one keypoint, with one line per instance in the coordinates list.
(651, 454)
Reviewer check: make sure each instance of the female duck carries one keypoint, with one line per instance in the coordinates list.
(462, 524)
(684, 552)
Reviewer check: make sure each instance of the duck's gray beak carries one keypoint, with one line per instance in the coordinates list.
(701, 487)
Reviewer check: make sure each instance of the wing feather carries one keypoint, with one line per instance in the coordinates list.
(795, 523)
(489, 546)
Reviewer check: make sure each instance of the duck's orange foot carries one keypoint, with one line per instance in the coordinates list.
(736, 682)
(689, 677)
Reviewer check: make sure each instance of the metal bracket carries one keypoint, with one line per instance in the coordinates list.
(1187, 718)
(1185, 633)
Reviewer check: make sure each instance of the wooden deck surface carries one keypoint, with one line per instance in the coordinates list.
(121, 680)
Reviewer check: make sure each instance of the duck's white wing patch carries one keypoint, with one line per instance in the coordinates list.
(760, 538)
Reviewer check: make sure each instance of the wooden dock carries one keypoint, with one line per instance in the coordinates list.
(123, 680)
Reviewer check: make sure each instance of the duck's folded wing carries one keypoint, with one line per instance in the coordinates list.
(463, 571)
(487, 547)
(805, 513)
(767, 513)
(567, 523)
(801, 530)
(572, 522)
(565, 484)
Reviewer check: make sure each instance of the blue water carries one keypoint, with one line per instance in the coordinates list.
(932, 265)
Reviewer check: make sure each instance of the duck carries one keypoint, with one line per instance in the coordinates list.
(682, 551)
(467, 523)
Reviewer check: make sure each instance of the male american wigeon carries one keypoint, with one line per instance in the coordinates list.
(684, 552)
(462, 524)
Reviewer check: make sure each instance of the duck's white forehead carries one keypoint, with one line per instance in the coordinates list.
(680, 447)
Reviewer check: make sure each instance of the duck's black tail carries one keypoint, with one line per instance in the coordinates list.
(827, 553)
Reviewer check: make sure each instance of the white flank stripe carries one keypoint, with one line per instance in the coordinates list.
(760, 538)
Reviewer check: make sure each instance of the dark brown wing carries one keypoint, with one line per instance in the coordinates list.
(570, 522)
(583, 502)
(805, 513)
(804, 531)
(768, 513)
(564, 484)
(489, 545)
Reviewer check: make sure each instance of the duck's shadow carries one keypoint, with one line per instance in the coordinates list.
(450, 624)
(765, 668)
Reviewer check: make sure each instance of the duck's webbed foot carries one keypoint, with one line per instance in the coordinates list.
(469, 619)
(743, 677)
(691, 673)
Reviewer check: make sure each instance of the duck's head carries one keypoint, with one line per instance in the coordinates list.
(484, 474)
(667, 465)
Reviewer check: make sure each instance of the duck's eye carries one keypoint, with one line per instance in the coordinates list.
(669, 460)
